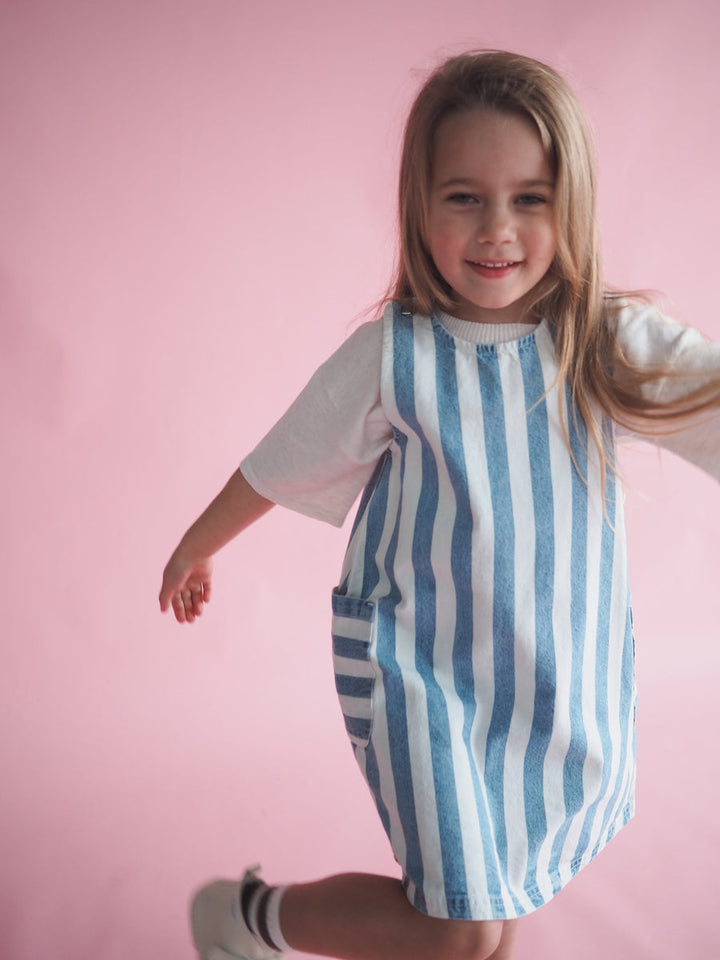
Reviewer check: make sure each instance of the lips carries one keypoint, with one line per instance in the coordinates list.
(494, 264)
(493, 269)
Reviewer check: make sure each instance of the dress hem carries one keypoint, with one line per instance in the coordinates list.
(467, 907)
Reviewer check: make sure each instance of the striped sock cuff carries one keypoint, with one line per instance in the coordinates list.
(260, 906)
(249, 899)
(272, 918)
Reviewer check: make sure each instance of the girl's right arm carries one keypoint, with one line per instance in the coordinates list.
(187, 577)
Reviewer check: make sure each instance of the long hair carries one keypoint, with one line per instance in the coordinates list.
(571, 296)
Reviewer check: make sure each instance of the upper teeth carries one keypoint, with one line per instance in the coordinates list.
(496, 266)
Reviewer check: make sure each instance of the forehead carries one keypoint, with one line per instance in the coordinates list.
(479, 143)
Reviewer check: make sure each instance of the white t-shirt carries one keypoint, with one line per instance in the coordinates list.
(322, 452)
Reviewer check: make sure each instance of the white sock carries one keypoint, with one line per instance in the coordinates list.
(260, 905)
(272, 918)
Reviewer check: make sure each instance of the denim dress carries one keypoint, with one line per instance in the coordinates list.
(482, 630)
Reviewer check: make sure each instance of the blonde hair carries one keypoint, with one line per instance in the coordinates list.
(571, 296)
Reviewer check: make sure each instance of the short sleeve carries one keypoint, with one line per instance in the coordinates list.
(650, 339)
(322, 452)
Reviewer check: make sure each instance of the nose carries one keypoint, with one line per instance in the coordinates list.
(496, 223)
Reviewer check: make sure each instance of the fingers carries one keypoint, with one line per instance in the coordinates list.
(186, 587)
(189, 602)
(171, 584)
(165, 598)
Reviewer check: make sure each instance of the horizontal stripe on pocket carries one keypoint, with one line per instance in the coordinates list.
(358, 730)
(353, 623)
(354, 686)
(350, 648)
(358, 708)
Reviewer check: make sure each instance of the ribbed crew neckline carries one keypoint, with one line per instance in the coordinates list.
(485, 333)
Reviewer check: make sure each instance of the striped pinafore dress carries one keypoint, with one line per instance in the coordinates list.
(482, 632)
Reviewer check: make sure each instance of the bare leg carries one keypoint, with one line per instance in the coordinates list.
(364, 917)
(506, 947)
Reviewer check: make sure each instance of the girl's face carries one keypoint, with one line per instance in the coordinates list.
(490, 226)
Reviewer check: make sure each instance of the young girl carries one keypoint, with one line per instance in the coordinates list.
(482, 631)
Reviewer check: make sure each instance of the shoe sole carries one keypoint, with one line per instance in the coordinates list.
(217, 953)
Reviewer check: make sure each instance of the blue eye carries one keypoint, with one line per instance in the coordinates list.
(531, 199)
(462, 198)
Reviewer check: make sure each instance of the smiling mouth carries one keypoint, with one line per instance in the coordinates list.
(494, 269)
(494, 264)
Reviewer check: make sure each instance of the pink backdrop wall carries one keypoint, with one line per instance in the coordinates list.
(196, 201)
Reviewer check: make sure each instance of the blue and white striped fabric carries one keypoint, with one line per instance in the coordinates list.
(482, 629)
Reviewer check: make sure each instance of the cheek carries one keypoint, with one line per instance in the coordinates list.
(546, 240)
(443, 241)
(552, 236)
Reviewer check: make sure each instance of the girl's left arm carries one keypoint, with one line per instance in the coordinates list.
(651, 339)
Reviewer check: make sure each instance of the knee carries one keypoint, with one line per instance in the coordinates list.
(467, 940)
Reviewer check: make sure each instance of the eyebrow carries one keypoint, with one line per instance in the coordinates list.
(470, 181)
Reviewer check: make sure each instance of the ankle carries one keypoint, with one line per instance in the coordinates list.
(260, 906)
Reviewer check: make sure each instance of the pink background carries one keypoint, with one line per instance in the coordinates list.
(196, 203)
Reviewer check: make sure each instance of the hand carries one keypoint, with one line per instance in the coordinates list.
(186, 581)
(186, 587)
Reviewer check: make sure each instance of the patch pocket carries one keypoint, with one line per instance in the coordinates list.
(352, 633)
